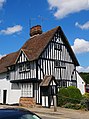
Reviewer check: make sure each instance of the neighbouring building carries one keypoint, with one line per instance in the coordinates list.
(84, 79)
(34, 73)
(81, 85)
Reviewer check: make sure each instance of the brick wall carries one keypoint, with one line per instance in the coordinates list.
(27, 102)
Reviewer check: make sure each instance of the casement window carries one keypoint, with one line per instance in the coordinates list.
(59, 64)
(58, 46)
(27, 66)
(63, 83)
(27, 90)
(11, 68)
(24, 67)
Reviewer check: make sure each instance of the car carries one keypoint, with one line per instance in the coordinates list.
(17, 113)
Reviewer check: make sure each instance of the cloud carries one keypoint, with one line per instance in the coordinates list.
(12, 30)
(84, 26)
(2, 3)
(80, 46)
(82, 69)
(2, 56)
(62, 8)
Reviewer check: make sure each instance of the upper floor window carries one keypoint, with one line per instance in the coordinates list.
(58, 46)
(24, 67)
(59, 64)
(11, 68)
(28, 66)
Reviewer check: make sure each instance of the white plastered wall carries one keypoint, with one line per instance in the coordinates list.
(13, 94)
(80, 83)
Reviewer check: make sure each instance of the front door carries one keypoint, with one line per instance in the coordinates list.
(44, 97)
(4, 96)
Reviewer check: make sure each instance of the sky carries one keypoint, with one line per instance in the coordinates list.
(18, 16)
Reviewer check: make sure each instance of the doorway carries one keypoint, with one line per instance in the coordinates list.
(4, 96)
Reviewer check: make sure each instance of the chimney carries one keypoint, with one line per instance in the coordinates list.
(35, 30)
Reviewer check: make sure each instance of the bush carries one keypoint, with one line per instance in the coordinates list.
(85, 103)
(72, 106)
(70, 94)
(62, 96)
(75, 95)
(86, 95)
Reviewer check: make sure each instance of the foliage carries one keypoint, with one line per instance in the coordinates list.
(86, 95)
(85, 77)
(62, 96)
(70, 94)
(74, 94)
(85, 103)
(72, 106)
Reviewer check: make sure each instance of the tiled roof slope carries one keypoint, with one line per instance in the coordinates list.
(34, 47)
(7, 60)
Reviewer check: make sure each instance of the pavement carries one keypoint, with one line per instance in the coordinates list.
(60, 113)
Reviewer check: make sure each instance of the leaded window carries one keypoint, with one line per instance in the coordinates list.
(27, 90)
(59, 64)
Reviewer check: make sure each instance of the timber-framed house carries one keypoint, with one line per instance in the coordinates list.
(44, 63)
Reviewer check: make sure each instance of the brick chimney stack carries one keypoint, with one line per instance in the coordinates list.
(35, 30)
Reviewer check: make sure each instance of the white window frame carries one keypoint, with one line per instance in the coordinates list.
(27, 90)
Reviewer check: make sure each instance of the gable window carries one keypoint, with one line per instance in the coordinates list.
(21, 67)
(28, 66)
(59, 64)
(58, 46)
(24, 67)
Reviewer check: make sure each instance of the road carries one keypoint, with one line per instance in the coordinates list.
(43, 116)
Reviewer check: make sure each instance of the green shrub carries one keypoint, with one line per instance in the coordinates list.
(85, 103)
(75, 95)
(70, 94)
(62, 96)
(72, 106)
(86, 95)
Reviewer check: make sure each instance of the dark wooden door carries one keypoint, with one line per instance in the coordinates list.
(4, 96)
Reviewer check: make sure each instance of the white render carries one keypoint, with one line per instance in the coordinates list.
(80, 83)
(12, 95)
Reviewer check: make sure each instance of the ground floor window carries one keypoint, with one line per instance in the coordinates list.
(27, 90)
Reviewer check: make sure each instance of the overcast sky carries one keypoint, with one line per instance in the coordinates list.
(18, 16)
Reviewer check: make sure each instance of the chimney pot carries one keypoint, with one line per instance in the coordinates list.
(35, 30)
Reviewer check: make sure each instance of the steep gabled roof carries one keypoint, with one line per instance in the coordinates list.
(34, 47)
